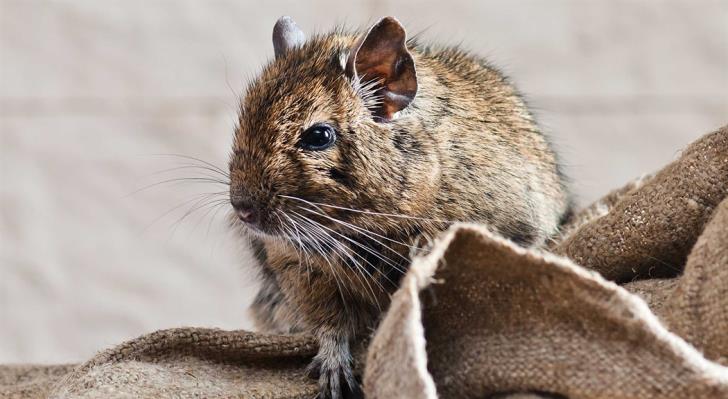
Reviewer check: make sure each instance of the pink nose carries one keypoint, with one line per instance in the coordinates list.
(247, 215)
(245, 209)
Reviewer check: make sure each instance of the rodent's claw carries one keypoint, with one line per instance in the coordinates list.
(313, 371)
(335, 379)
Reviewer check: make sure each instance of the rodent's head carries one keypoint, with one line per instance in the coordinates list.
(319, 130)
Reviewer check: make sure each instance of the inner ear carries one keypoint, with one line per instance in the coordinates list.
(379, 61)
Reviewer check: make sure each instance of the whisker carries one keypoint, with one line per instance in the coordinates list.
(359, 228)
(181, 179)
(326, 239)
(212, 219)
(332, 268)
(191, 166)
(196, 207)
(387, 260)
(368, 212)
(191, 158)
(363, 231)
(296, 233)
(194, 198)
(292, 229)
(381, 257)
(214, 206)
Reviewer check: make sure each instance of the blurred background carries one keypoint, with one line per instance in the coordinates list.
(92, 92)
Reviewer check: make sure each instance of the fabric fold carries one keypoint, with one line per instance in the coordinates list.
(498, 318)
(195, 362)
(651, 228)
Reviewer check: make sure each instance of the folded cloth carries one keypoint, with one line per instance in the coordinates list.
(193, 362)
(481, 317)
(650, 230)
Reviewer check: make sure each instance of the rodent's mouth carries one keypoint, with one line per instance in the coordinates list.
(299, 237)
(299, 234)
(319, 239)
(258, 231)
(301, 242)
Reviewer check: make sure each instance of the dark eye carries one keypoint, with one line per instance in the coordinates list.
(318, 137)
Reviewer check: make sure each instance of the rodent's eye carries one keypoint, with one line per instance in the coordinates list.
(318, 137)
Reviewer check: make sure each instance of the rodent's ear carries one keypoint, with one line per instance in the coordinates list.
(381, 56)
(286, 35)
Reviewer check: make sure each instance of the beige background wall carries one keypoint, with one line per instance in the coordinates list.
(91, 90)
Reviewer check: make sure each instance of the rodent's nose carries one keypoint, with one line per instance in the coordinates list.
(245, 211)
(247, 215)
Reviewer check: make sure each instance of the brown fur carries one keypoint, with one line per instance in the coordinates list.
(466, 149)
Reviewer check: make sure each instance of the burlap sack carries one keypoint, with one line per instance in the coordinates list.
(653, 226)
(695, 306)
(480, 317)
(180, 363)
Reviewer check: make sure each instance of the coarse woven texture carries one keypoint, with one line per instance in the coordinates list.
(497, 318)
(178, 363)
(695, 306)
(481, 317)
(650, 231)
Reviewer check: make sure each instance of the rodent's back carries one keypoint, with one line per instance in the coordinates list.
(496, 165)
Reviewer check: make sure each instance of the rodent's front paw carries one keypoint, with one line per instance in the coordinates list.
(335, 378)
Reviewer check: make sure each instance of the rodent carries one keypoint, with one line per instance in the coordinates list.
(351, 146)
